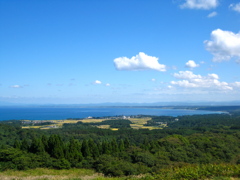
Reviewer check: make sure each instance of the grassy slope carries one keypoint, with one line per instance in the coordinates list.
(188, 172)
(51, 174)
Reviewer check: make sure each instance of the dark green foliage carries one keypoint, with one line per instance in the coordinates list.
(17, 144)
(36, 146)
(144, 157)
(61, 164)
(113, 166)
(126, 143)
(120, 123)
(206, 121)
(55, 147)
(24, 145)
(44, 140)
(73, 153)
(121, 146)
(12, 158)
(85, 149)
(191, 141)
(157, 120)
(93, 148)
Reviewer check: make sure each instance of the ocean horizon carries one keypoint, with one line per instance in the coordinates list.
(59, 113)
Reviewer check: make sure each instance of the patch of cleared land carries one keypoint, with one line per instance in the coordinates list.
(51, 174)
(137, 123)
(76, 174)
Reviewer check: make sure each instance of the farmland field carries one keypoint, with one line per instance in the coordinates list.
(137, 123)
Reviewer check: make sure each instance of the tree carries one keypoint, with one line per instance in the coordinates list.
(73, 155)
(114, 145)
(93, 148)
(17, 144)
(55, 147)
(121, 145)
(44, 140)
(85, 149)
(37, 146)
(24, 145)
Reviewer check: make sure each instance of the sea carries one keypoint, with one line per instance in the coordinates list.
(60, 113)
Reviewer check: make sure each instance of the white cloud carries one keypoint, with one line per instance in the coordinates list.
(236, 84)
(191, 64)
(200, 4)
(224, 45)
(15, 86)
(153, 80)
(213, 76)
(186, 75)
(209, 82)
(107, 84)
(235, 7)
(139, 62)
(212, 14)
(97, 82)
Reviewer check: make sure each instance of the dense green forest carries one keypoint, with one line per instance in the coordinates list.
(187, 141)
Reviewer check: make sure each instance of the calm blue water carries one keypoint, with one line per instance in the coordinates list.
(10, 113)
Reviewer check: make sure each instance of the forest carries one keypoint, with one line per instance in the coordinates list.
(189, 147)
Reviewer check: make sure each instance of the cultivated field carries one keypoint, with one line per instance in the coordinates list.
(137, 123)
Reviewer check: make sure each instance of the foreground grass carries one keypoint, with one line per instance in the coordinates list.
(196, 171)
(49, 174)
(52, 174)
(186, 172)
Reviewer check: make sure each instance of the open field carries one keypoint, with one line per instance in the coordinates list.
(52, 174)
(140, 121)
(137, 123)
(92, 120)
(104, 126)
(83, 174)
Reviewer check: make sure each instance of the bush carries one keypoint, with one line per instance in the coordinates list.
(61, 164)
(199, 171)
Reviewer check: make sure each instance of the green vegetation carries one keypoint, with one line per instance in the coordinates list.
(119, 123)
(189, 147)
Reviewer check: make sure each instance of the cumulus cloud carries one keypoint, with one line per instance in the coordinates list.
(235, 7)
(224, 45)
(191, 64)
(15, 86)
(186, 75)
(139, 62)
(190, 80)
(107, 84)
(212, 14)
(200, 4)
(97, 82)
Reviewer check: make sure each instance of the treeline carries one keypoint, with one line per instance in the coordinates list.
(207, 121)
(118, 158)
(190, 141)
(118, 123)
(157, 120)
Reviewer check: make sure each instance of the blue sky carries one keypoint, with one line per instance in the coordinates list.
(91, 51)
